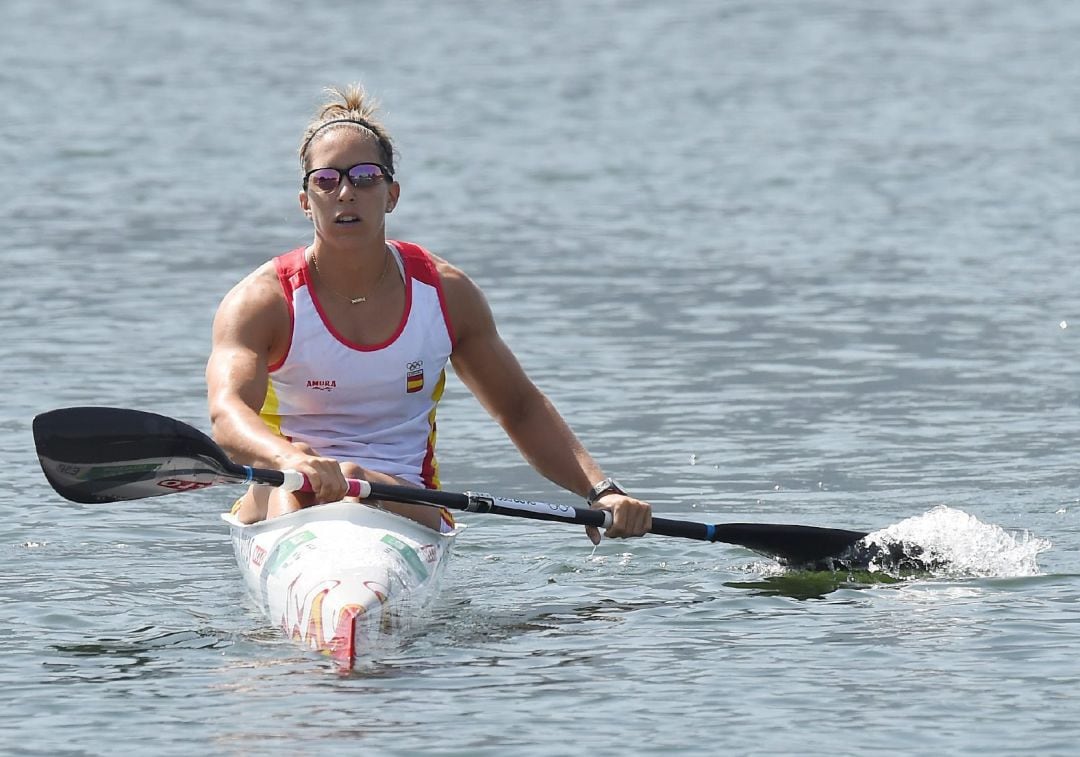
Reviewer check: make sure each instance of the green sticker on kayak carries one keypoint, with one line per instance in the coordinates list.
(285, 548)
(409, 554)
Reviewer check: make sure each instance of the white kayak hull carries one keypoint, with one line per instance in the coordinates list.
(338, 577)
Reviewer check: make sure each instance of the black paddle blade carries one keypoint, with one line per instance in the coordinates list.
(794, 545)
(105, 454)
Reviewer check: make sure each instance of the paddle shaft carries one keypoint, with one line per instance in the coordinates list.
(731, 533)
(467, 501)
(102, 454)
(485, 503)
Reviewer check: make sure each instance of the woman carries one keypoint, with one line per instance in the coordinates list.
(330, 359)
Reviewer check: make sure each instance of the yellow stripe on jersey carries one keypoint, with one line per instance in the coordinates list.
(270, 409)
(436, 395)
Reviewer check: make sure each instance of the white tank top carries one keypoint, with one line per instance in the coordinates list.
(373, 405)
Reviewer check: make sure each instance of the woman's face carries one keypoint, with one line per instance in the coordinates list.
(348, 212)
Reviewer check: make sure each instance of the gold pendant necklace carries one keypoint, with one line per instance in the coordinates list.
(353, 300)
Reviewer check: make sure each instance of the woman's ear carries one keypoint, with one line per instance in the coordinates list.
(392, 197)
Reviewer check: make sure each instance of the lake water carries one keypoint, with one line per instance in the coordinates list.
(793, 262)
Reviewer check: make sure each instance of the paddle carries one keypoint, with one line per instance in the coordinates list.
(104, 454)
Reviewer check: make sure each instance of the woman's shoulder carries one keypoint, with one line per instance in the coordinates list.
(467, 307)
(453, 280)
(259, 293)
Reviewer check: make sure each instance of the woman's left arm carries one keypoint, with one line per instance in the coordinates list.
(488, 367)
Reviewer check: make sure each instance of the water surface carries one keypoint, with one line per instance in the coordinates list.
(782, 262)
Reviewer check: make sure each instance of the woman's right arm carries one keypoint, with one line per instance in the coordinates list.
(251, 330)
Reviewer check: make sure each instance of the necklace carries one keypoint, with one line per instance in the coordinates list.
(353, 300)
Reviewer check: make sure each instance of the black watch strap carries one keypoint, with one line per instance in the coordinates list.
(600, 488)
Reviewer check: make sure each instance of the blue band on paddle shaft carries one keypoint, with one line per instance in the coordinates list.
(250, 473)
(710, 532)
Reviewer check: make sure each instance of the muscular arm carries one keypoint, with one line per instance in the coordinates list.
(251, 326)
(251, 331)
(490, 370)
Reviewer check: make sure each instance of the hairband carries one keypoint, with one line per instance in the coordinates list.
(357, 121)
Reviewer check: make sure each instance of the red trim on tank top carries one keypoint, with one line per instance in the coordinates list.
(292, 273)
(425, 271)
(366, 347)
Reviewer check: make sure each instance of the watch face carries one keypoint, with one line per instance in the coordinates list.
(606, 486)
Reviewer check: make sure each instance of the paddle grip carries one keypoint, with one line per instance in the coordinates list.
(295, 481)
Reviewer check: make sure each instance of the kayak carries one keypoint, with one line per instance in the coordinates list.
(341, 577)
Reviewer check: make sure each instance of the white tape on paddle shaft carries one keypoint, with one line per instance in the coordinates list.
(294, 480)
(562, 511)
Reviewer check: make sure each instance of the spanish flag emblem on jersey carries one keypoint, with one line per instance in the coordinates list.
(414, 376)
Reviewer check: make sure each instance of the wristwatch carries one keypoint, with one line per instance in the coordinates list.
(599, 489)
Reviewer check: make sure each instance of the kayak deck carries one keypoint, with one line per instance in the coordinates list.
(336, 577)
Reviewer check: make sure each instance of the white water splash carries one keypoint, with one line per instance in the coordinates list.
(965, 546)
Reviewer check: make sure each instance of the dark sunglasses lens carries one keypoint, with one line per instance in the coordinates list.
(325, 179)
(365, 174)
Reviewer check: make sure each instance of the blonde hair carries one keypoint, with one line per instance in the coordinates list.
(351, 105)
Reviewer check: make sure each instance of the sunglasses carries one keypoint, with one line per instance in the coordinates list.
(361, 175)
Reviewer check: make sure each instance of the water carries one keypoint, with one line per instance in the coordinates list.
(783, 262)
